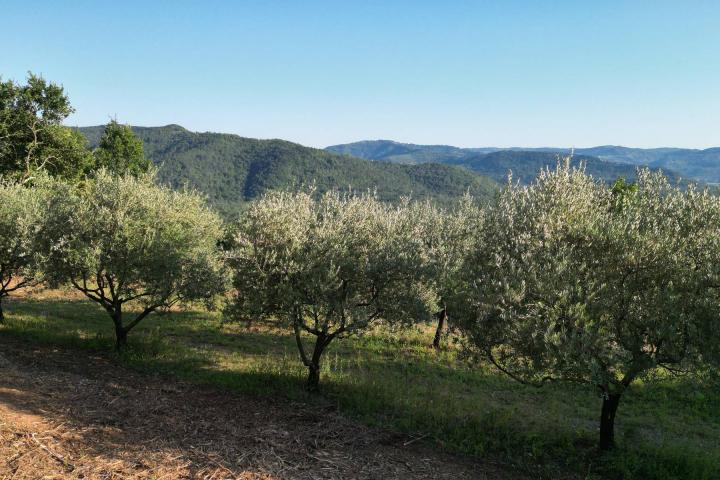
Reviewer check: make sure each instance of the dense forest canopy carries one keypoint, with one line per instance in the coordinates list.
(602, 161)
(233, 170)
(525, 165)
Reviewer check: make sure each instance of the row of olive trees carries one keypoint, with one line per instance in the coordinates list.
(562, 280)
(116, 239)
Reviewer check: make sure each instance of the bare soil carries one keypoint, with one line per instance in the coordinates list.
(70, 414)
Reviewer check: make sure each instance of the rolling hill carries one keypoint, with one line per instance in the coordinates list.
(233, 170)
(405, 153)
(525, 165)
(701, 165)
(698, 165)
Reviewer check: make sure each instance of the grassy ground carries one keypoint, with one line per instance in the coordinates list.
(667, 428)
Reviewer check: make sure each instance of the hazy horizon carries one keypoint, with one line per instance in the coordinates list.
(467, 74)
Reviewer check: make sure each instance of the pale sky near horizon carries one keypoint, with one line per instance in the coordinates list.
(464, 73)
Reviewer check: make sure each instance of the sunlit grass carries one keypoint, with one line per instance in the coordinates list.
(668, 428)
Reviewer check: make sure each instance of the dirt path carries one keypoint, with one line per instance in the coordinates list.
(65, 414)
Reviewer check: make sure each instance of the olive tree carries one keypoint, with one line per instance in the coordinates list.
(328, 268)
(121, 239)
(573, 281)
(448, 235)
(20, 212)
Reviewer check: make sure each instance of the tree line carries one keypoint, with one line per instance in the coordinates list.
(564, 280)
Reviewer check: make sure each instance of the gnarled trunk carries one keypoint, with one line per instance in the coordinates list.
(120, 331)
(2, 315)
(322, 340)
(120, 338)
(313, 382)
(607, 420)
(442, 318)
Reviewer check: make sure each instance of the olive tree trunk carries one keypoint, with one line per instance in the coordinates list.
(442, 318)
(120, 331)
(313, 381)
(2, 315)
(607, 421)
(312, 362)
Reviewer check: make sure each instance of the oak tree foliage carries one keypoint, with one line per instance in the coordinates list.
(32, 136)
(121, 151)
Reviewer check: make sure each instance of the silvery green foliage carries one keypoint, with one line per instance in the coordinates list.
(329, 267)
(698, 230)
(20, 212)
(448, 236)
(572, 281)
(333, 264)
(121, 238)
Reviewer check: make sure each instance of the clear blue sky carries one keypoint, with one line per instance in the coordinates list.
(500, 73)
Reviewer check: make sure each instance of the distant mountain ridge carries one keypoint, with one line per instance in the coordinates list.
(406, 153)
(525, 165)
(397, 152)
(233, 170)
(692, 164)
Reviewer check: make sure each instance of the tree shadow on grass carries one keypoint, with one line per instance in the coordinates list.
(75, 321)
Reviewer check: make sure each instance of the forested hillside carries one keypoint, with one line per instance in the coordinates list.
(233, 170)
(694, 164)
(494, 163)
(691, 164)
(407, 153)
(525, 165)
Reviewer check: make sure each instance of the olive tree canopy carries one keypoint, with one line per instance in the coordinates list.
(329, 268)
(20, 213)
(448, 235)
(122, 239)
(573, 281)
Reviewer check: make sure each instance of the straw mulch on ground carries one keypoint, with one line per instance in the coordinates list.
(69, 414)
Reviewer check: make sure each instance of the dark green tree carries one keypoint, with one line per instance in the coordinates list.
(120, 151)
(32, 136)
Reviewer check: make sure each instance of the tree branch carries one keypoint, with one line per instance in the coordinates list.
(143, 314)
